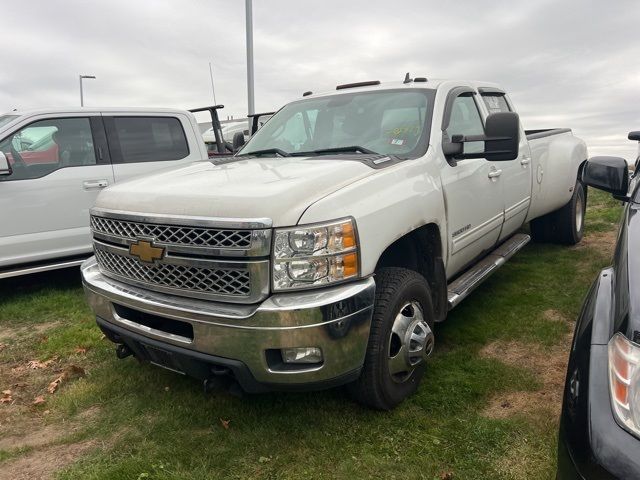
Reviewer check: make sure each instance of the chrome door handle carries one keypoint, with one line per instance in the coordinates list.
(95, 184)
(525, 161)
(495, 173)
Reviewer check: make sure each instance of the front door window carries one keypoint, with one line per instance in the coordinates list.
(48, 145)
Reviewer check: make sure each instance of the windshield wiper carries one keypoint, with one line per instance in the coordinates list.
(266, 151)
(349, 149)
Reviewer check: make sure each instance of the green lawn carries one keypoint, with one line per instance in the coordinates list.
(487, 408)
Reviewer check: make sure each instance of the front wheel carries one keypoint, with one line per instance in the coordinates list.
(400, 341)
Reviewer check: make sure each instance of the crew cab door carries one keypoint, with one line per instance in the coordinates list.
(59, 165)
(516, 174)
(141, 144)
(472, 188)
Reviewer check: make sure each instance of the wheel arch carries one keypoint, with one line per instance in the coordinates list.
(420, 250)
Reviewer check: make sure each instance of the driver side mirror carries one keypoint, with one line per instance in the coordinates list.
(238, 141)
(501, 139)
(5, 168)
(610, 174)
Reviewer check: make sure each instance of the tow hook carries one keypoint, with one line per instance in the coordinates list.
(222, 380)
(122, 351)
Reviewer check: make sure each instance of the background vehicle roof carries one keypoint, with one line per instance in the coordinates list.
(54, 110)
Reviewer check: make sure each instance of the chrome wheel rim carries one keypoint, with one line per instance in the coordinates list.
(579, 213)
(410, 343)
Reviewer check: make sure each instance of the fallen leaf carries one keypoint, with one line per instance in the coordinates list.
(6, 393)
(53, 386)
(264, 459)
(80, 350)
(225, 423)
(39, 400)
(6, 397)
(70, 372)
(37, 364)
(166, 389)
(446, 476)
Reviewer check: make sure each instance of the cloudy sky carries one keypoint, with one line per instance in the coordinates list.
(570, 63)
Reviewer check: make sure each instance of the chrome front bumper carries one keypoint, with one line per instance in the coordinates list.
(335, 319)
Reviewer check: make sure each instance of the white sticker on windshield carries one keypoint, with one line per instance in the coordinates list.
(397, 141)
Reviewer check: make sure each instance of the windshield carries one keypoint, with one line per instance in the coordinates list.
(4, 119)
(388, 122)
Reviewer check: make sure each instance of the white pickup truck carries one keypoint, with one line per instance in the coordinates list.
(53, 163)
(326, 249)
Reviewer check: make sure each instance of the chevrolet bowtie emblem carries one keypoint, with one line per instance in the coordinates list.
(145, 251)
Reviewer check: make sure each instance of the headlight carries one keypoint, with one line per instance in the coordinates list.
(624, 381)
(312, 255)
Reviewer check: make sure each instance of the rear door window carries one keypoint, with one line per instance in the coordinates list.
(146, 139)
(496, 103)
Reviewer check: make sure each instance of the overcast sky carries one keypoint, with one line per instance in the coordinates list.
(569, 63)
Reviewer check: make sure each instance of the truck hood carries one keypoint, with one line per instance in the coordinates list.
(276, 188)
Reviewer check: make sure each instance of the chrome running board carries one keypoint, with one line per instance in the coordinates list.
(466, 283)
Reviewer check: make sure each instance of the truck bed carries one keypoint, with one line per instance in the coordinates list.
(545, 132)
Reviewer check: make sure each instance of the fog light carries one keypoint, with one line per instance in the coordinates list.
(301, 355)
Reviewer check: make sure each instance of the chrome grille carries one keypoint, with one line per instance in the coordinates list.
(201, 257)
(185, 279)
(173, 234)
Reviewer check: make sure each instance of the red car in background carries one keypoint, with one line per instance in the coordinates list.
(42, 149)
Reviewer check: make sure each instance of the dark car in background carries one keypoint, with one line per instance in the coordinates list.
(600, 421)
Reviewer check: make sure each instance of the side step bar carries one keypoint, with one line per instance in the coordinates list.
(466, 283)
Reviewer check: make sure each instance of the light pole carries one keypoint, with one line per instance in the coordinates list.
(81, 95)
(213, 89)
(249, 14)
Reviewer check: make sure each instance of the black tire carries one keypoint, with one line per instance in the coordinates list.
(565, 225)
(376, 387)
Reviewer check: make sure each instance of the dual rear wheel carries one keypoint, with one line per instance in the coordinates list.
(565, 225)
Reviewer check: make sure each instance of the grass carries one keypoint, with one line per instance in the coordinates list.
(146, 423)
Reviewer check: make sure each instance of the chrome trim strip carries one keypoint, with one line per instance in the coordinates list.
(517, 208)
(186, 261)
(470, 236)
(40, 268)
(474, 230)
(260, 245)
(149, 330)
(185, 220)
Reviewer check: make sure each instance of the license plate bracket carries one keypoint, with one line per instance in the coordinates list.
(164, 359)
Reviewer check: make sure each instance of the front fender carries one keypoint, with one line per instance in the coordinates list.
(386, 206)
